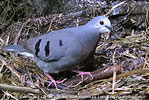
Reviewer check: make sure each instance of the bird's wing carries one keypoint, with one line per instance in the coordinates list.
(53, 46)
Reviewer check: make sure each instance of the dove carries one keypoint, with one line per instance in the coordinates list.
(64, 49)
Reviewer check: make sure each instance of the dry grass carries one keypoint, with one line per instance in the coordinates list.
(25, 81)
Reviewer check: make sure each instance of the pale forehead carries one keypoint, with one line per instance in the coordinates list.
(100, 18)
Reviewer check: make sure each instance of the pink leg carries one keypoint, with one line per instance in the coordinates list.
(81, 73)
(53, 81)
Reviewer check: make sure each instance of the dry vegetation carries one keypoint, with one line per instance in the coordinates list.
(120, 66)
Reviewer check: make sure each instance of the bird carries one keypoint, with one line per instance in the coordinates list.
(64, 49)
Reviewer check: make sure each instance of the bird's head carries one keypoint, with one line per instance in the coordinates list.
(101, 24)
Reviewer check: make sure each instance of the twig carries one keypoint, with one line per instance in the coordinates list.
(9, 67)
(115, 6)
(10, 95)
(145, 60)
(138, 71)
(19, 89)
(96, 91)
(113, 83)
(97, 75)
(19, 33)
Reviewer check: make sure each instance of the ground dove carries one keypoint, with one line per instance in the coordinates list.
(63, 49)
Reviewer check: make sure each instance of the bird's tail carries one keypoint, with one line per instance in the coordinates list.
(17, 48)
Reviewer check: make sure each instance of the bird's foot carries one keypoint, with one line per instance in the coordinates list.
(54, 82)
(81, 73)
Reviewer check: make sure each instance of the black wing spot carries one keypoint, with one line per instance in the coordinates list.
(60, 43)
(47, 49)
(37, 47)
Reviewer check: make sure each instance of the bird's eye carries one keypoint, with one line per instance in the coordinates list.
(101, 22)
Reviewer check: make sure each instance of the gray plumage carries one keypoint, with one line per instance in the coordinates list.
(63, 49)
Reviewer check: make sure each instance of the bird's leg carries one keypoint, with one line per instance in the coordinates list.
(53, 81)
(81, 73)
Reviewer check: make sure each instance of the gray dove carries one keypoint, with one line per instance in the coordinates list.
(65, 48)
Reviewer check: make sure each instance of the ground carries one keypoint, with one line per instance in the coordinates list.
(120, 65)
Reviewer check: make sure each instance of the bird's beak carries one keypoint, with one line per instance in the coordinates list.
(110, 28)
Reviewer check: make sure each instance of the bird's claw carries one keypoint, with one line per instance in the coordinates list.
(54, 82)
(81, 73)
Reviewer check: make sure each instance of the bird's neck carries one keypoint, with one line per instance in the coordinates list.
(89, 37)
